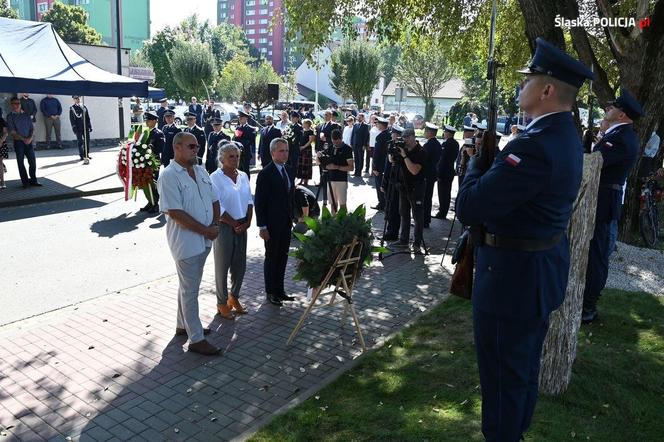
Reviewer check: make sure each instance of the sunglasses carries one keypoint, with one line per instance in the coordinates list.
(192, 145)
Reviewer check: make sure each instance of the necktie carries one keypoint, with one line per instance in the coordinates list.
(284, 175)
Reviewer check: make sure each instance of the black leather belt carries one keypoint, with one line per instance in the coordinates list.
(521, 244)
(611, 186)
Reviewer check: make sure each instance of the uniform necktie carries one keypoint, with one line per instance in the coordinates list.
(284, 175)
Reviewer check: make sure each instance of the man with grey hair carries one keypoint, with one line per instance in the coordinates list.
(192, 210)
(272, 200)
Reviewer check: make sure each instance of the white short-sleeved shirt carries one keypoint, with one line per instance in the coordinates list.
(373, 133)
(234, 197)
(347, 134)
(178, 191)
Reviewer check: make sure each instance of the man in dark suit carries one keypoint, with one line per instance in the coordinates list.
(359, 141)
(294, 140)
(156, 141)
(328, 126)
(246, 135)
(434, 151)
(163, 107)
(196, 109)
(446, 171)
(268, 133)
(620, 148)
(272, 202)
(524, 202)
(379, 158)
(170, 129)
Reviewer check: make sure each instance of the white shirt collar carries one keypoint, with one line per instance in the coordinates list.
(613, 127)
(535, 120)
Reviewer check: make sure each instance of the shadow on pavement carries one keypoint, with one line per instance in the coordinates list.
(123, 223)
(37, 210)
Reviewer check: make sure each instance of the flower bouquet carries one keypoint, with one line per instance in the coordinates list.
(320, 246)
(137, 164)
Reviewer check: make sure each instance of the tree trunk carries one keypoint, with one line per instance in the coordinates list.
(429, 108)
(559, 349)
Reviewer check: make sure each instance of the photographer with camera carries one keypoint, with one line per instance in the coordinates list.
(390, 190)
(338, 161)
(410, 158)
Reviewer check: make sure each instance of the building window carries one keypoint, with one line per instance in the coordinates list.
(251, 31)
(269, 52)
(262, 40)
(42, 7)
(250, 12)
(223, 6)
(271, 3)
(251, 22)
(262, 2)
(263, 50)
(263, 12)
(222, 15)
(263, 21)
(250, 3)
(252, 41)
(232, 6)
(269, 43)
(263, 31)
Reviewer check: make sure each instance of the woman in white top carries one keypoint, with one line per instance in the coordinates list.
(373, 133)
(348, 130)
(283, 122)
(230, 248)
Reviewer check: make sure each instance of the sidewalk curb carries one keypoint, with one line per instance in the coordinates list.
(380, 341)
(61, 196)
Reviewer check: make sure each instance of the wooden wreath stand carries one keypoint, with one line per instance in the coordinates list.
(347, 264)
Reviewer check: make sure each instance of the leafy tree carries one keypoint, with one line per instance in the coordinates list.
(390, 55)
(192, 66)
(355, 68)
(6, 10)
(156, 51)
(424, 69)
(71, 23)
(255, 91)
(235, 74)
(240, 82)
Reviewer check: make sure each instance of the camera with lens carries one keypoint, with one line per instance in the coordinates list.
(394, 148)
(324, 157)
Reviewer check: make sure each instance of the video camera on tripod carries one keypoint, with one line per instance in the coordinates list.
(394, 148)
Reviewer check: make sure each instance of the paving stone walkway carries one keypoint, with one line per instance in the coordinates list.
(111, 368)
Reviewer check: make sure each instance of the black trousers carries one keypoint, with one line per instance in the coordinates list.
(381, 195)
(411, 199)
(83, 141)
(367, 160)
(598, 264)
(444, 195)
(428, 199)
(392, 210)
(358, 154)
(276, 258)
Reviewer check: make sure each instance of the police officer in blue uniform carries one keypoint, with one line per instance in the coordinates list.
(196, 131)
(619, 148)
(214, 138)
(523, 203)
(434, 152)
(445, 169)
(163, 107)
(157, 142)
(246, 135)
(379, 159)
(170, 129)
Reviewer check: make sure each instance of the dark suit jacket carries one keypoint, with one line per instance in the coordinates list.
(360, 135)
(380, 151)
(246, 135)
(267, 135)
(434, 151)
(327, 128)
(273, 200)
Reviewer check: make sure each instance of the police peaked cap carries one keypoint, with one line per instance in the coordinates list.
(382, 120)
(430, 126)
(244, 114)
(450, 129)
(190, 115)
(628, 104)
(397, 129)
(552, 61)
(169, 113)
(151, 116)
(215, 121)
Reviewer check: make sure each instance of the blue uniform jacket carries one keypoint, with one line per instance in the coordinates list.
(380, 151)
(619, 149)
(169, 130)
(528, 192)
(447, 159)
(434, 152)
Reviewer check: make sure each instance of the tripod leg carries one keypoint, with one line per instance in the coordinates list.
(300, 323)
(357, 327)
(449, 235)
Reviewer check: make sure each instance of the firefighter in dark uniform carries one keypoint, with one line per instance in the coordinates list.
(79, 117)
(434, 152)
(157, 141)
(214, 138)
(446, 171)
(389, 188)
(466, 151)
(245, 134)
(620, 148)
(196, 131)
(523, 204)
(170, 129)
(160, 112)
(379, 158)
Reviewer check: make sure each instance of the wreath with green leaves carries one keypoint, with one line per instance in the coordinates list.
(321, 244)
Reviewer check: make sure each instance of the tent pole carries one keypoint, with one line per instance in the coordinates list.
(118, 47)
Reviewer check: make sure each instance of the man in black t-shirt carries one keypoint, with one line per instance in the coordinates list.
(341, 162)
(411, 178)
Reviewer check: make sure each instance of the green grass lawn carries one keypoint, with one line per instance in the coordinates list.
(423, 384)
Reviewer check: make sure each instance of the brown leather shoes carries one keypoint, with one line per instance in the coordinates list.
(235, 305)
(225, 311)
(204, 347)
(183, 331)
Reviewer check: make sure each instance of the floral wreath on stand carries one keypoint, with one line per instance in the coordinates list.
(137, 164)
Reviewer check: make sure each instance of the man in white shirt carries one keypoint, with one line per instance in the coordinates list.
(192, 207)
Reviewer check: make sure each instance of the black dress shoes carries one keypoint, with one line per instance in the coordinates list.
(285, 297)
(588, 316)
(147, 207)
(274, 300)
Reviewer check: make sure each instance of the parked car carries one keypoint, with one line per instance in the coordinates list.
(228, 114)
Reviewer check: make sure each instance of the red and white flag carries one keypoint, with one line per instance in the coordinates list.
(512, 160)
